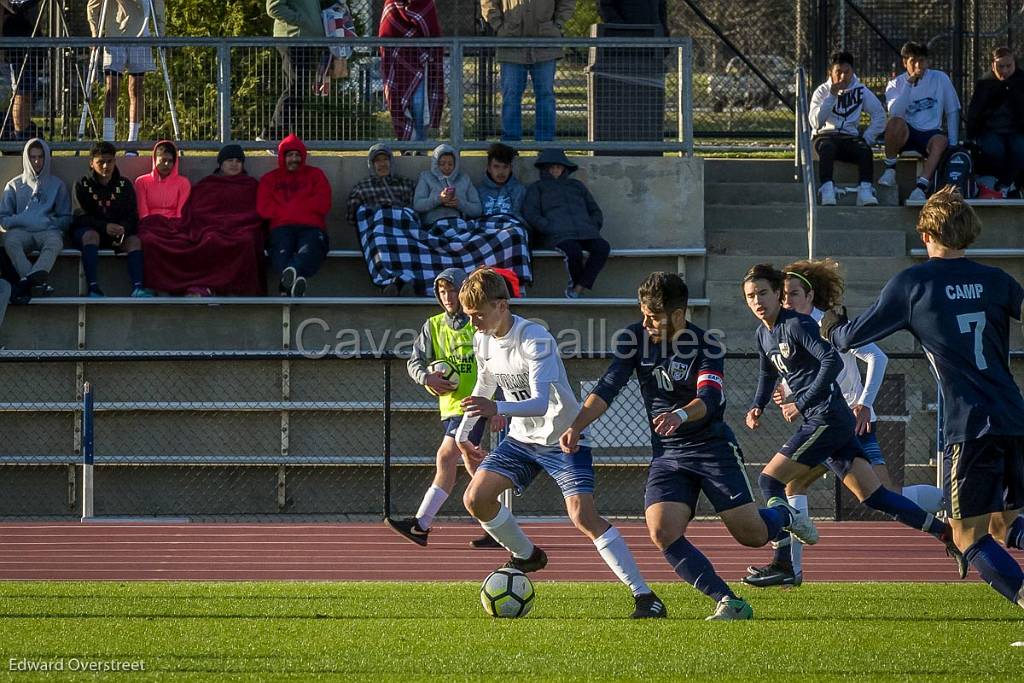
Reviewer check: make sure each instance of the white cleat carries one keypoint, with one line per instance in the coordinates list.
(828, 194)
(866, 196)
(888, 178)
(918, 195)
(801, 525)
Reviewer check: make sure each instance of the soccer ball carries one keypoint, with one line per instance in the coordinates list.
(507, 593)
(447, 371)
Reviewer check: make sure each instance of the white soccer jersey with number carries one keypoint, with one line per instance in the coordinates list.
(523, 363)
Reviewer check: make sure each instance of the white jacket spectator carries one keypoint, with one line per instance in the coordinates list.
(923, 104)
(841, 113)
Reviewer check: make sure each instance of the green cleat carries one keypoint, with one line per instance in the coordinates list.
(732, 609)
(801, 525)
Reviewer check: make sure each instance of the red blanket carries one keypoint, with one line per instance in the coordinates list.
(216, 244)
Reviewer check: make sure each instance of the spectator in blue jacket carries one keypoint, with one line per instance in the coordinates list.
(501, 194)
(564, 216)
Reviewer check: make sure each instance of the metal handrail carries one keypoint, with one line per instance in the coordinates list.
(804, 159)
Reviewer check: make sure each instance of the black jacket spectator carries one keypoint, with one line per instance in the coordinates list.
(989, 95)
(560, 208)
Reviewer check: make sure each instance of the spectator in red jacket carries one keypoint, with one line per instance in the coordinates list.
(294, 200)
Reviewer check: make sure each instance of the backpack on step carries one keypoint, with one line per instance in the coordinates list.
(957, 169)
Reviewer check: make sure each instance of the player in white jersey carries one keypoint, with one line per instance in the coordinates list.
(812, 287)
(522, 358)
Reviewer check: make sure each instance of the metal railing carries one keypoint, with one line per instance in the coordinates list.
(611, 94)
(804, 158)
(281, 436)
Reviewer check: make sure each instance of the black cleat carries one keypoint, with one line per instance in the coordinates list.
(961, 562)
(537, 560)
(772, 575)
(649, 606)
(409, 529)
(485, 542)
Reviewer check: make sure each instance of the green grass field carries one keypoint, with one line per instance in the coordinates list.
(577, 631)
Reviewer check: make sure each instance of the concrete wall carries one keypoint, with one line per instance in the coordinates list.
(647, 202)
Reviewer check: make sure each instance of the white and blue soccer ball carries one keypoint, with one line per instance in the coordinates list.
(507, 593)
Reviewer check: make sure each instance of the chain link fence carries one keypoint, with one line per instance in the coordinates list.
(278, 437)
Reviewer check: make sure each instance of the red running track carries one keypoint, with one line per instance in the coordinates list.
(848, 551)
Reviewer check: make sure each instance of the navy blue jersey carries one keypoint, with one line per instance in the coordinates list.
(671, 375)
(960, 312)
(794, 349)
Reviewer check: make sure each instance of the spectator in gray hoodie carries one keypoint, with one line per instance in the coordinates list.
(444, 192)
(564, 216)
(35, 210)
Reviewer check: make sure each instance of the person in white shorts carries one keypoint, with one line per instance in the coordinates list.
(125, 19)
(522, 358)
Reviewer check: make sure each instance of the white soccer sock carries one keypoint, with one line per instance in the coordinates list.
(109, 129)
(865, 185)
(505, 530)
(796, 548)
(928, 498)
(433, 499)
(615, 553)
(133, 131)
(890, 163)
(921, 180)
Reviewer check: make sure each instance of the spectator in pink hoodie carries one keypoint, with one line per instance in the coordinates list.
(162, 191)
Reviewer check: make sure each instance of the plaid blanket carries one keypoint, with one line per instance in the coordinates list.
(397, 247)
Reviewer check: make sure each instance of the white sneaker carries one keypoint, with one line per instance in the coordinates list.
(918, 195)
(828, 194)
(866, 196)
(801, 525)
(888, 178)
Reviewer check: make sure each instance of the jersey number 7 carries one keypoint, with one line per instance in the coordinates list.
(964, 321)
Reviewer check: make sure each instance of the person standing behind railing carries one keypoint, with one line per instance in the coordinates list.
(17, 20)
(527, 19)
(413, 76)
(125, 19)
(294, 19)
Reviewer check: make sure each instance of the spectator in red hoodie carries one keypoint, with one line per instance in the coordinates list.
(294, 200)
(162, 191)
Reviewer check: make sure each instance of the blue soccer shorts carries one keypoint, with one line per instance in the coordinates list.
(451, 428)
(985, 475)
(814, 445)
(521, 462)
(872, 449)
(716, 469)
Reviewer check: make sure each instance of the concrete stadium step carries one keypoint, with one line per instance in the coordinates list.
(344, 273)
(852, 220)
(867, 269)
(310, 324)
(778, 244)
(787, 193)
(783, 171)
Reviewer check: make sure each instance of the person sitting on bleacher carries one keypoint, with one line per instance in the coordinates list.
(918, 99)
(995, 120)
(834, 115)
(564, 216)
(375, 203)
(445, 191)
(216, 248)
(501, 194)
(295, 199)
(35, 210)
(107, 217)
(162, 191)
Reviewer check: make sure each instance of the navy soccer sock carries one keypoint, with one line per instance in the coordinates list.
(1015, 535)
(90, 258)
(996, 567)
(135, 268)
(695, 569)
(775, 518)
(904, 511)
(773, 488)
